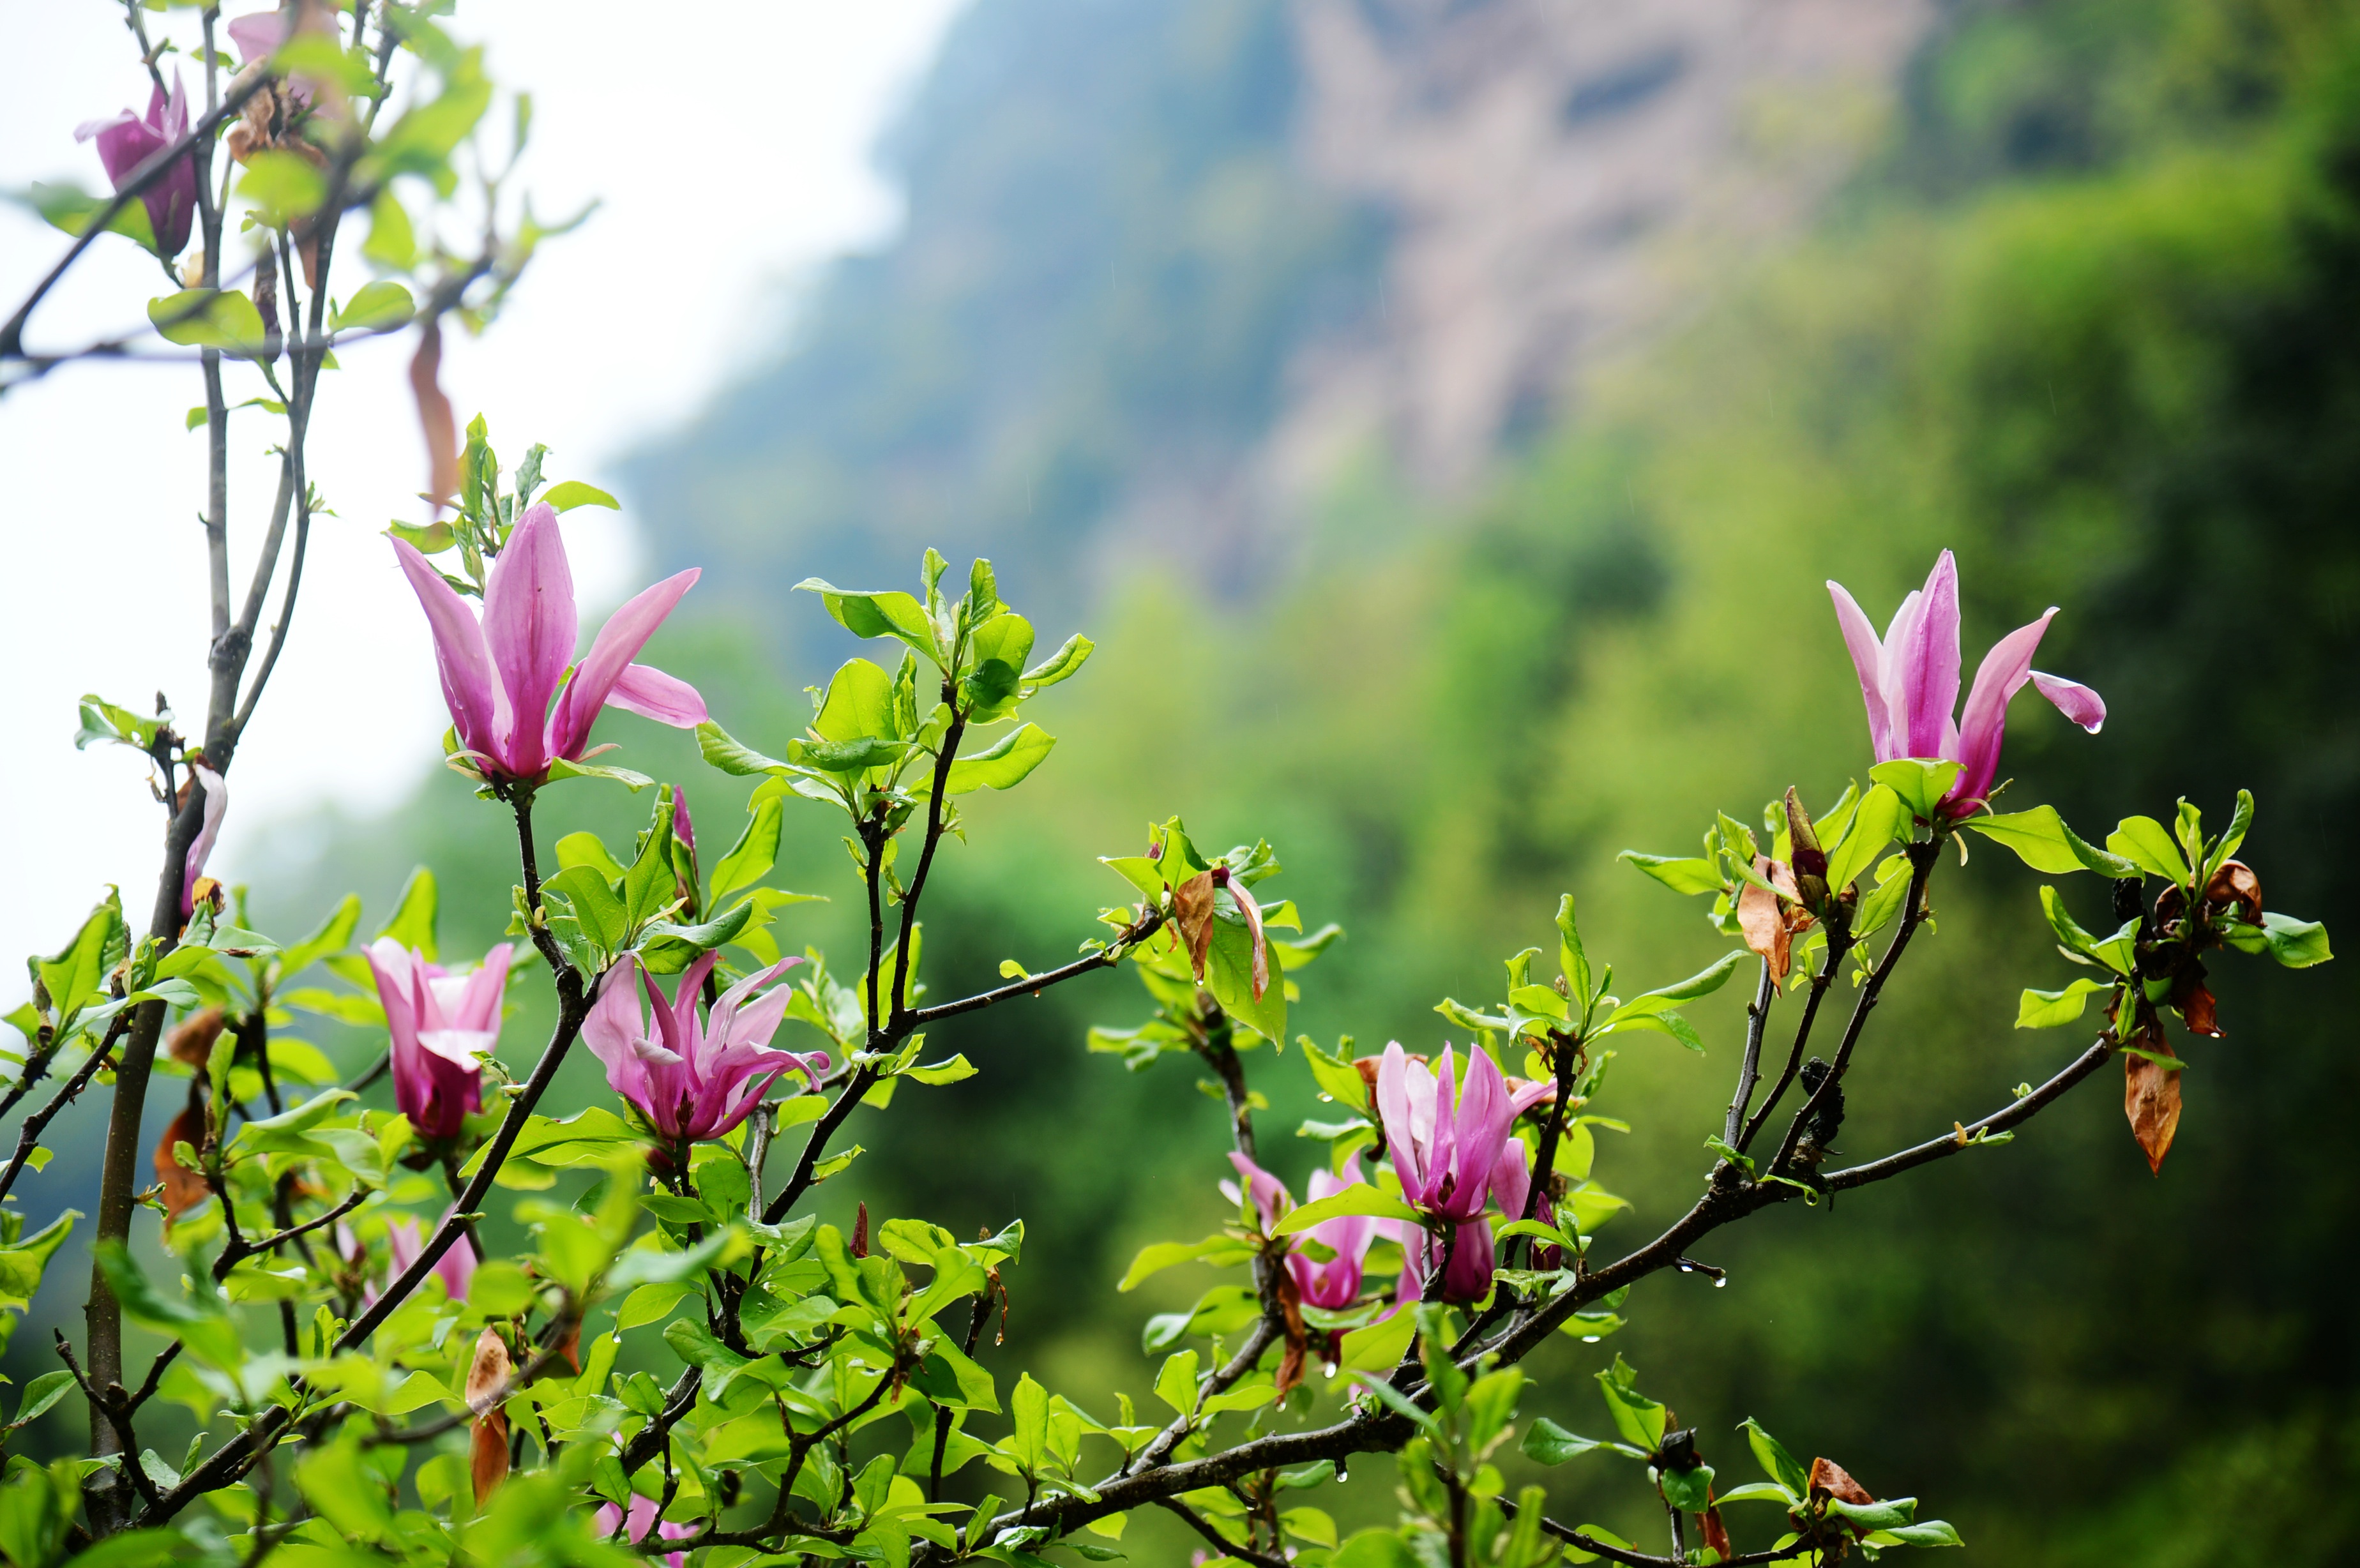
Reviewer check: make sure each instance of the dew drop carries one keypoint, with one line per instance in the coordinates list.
(1717, 1284)
(1590, 1339)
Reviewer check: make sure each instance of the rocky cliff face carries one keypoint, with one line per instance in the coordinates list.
(1169, 263)
(1564, 177)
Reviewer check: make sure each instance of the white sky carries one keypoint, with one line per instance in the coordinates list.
(618, 330)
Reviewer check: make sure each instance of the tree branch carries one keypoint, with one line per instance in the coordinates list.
(1955, 1142)
(1105, 958)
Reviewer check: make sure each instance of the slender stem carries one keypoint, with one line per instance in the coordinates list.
(859, 1083)
(1749, 1072)
(943, 1416)
(1963, 1138)
(1227, 1548)
(1033, 984)
(935, 807)
(28, 1137)
(1838, 948)
(1922, 857)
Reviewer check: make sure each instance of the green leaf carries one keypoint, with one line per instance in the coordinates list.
(392, 241)
(198, 1322)
(2042, 841)
(1932, 1532)
(380, 307)
(756, 851)
(1873, 826)
(566, 495)
(1639, 1419)
(2297, 944)
(858, 705)
(201, 318)
(2240, 820)
(1545, 1442)
(1357, 1199)
(1157, 1256)
(1003, 767)
(1704, 982)
(1334, 1074)
(1175, 1384)
(939, 1073)
(2069, 931)
(1775, 1462)
(1688, 874)
(413, 920)
(68, 207)
(2148, 844)
(1891, 1513)
(1063, 664)
(1920, 782)
(1690, 1491)
(2048, 1009)
(720, 751)
(893, 613)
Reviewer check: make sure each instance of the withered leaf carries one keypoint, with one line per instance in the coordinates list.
(487, 1449)
(183, 1188)
(1716, 1534)
(192, 1040)
(434, 414)
(2151, 1101)
(1829, 1479)
(2235, 883)
(1192, 911)
(2197, 1009)
(1765, 929)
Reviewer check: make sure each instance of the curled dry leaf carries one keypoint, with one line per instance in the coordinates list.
(1192, 911)
(435, 416)
(2235, 883)
(2151, 1101)
(1716, 1534)
(193, 1038)
(860, 1234)
(183, 1188)
(1829, 1479)
(2197, 1009)
(488, 1448)
(1771, 920)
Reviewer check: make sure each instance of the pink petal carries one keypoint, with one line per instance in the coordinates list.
(456, 1268)
(648, 691)
(1271, 1198)
(460, 657)
(463, 1049)
(2001, 675)
(1929, 664)
(529, 627)
(258, 37)
(478, 1006)
(1867, 662)
(1393, 1111)
(2073, 700)
(613, 1031)
(618, 642)
(1511, 1178)
(208, 830)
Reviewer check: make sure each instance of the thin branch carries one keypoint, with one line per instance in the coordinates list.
(1963, 1137)
(862, 1079)
(28, 1137)
(1228, 1548)
(241, 1249)
(649, 1442)
(1837, 950)
(1613, 1553)
(1749, 1072)
(943, 756)
(1033, 984)
(1922, 858)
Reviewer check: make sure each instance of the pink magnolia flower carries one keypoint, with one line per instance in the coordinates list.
(644, 1513)
(1910, 684)
(208, 830)
(455, 1267)
(443, 1026)
(1335, 1284)
(501, 676)
(694, 1080)
(126, 144)
(1444, 1136)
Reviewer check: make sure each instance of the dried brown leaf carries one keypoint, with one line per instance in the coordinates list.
(1765, 929)
(2151, 1101)
(1716, 1534)
(488, 1456)
(435, 416)
(2197, 1009)
(488, 1376)
(1192, 911)
(1829, 1479)
(183, 1189)
(192, 1040)
(860, 1234)
(2235, 883)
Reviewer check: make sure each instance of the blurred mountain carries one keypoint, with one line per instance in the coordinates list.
(1169, 266)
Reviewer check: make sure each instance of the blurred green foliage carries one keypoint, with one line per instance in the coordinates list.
(2090, 320)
